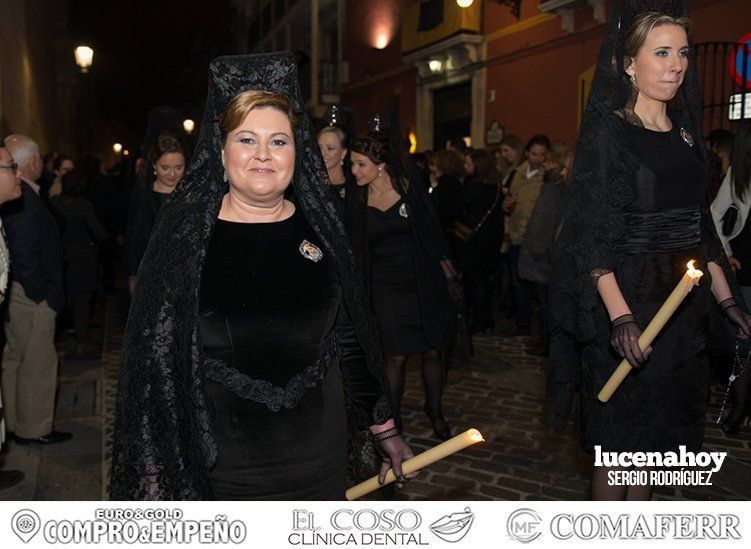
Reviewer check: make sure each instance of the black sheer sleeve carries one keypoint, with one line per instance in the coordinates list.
(369, 402)
(592, 225)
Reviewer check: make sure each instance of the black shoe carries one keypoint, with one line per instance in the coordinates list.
(481, 328)
(53, 437)
(441, 428)
(8, 479)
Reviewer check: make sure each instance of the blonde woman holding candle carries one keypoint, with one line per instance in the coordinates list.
(637, 214)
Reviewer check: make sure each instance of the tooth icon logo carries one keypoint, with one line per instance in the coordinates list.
(25, 523)
(453, 527)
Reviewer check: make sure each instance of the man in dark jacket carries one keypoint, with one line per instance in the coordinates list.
(36, 297)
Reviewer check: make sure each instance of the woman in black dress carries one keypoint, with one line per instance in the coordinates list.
(159, 172)
(637, 214)
(479, 209)
(334, 139)
(397, 234)
(237, 346)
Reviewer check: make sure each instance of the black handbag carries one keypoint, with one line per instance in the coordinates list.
(729, 219)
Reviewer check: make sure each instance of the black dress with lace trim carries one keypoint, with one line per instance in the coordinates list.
(269, 305)
(661, 405)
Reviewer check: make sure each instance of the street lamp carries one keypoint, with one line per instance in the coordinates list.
(118, 148)
(435, 65)
(188, 126)
(84, 57)
(464, 3)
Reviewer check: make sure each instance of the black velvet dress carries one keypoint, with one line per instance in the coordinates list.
(393, 281)
(269, 307)
(661, 405)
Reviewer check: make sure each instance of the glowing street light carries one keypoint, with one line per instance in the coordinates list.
(188, 126)
(118, 148)
(464, 3)
(84, 57)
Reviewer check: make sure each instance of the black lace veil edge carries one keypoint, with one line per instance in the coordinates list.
(163, 445)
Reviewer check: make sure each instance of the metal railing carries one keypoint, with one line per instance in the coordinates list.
(724, 78)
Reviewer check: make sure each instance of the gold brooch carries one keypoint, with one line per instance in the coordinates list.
(403, 211)
(310, 251)
(687, 137)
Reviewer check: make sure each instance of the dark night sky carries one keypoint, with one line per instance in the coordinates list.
(149, 53)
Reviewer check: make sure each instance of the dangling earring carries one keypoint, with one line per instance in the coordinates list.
(379, 172)
(224, 176)
(633, 80)
(154, 172)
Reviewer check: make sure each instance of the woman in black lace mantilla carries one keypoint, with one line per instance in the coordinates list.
(238, 345)
(637, 214)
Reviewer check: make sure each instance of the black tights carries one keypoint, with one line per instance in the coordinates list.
(599, 490)
(433, 374)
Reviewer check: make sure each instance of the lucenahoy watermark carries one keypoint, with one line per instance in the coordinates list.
(649, 467)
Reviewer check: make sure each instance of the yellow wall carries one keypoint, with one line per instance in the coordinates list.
(455, 20)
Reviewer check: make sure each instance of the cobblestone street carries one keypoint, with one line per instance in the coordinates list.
(501, 392)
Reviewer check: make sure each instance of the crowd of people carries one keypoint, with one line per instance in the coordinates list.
(291, 274)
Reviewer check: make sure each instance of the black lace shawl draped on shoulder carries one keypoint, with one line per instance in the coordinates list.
(163, 445)
(600, 188)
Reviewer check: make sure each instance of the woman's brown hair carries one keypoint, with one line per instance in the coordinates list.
(643, 24)
(165, 144)
(244, 102)
(448, 162)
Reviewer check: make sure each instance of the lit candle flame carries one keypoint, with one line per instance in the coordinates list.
(693, 272)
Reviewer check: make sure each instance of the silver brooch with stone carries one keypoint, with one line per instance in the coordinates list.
(403, 211)
(687, 137)
(310, 251)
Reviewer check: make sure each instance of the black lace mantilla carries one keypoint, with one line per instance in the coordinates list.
(265, 392)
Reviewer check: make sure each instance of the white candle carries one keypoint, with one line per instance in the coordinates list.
(451, 446)
(684, 287)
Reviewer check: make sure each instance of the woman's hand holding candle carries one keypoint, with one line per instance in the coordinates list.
(394, 451)
(451, 446)
(624, 338)
(686, 284)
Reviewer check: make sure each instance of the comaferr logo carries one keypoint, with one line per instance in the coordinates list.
(524, 525)
(658, 526)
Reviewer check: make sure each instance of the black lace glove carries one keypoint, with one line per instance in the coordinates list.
(624, 337)
(393, 451)
(740, 318)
